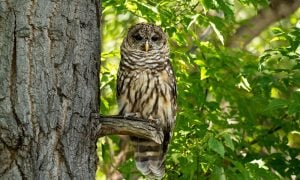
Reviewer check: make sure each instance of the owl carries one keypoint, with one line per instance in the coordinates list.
(146, 88)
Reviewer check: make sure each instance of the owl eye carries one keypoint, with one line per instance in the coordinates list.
(155, 38)
(138, 37)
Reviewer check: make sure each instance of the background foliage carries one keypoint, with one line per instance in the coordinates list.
(239, 108)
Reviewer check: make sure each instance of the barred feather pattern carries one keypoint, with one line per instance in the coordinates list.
(146, 86)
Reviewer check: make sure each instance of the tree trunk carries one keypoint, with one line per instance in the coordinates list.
(49, 65)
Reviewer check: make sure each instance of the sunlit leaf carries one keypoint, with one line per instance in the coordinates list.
(244, 84)
(260, 163)
(277, 31)
(219, 35)
(294, 139)
(194, 19)
(203, 74)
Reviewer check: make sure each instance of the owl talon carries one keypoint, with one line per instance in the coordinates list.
(153, 120)
(131, 114)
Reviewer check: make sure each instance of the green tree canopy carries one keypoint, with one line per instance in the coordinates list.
(237, 65)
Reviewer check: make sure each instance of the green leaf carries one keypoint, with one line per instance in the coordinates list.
(276, 104)
(244, 84)
(216, 146)
(218, 173)
(194, 20)
(208, 4)
(105, 153)
(294, 139)
(219, 35)
(228, 141)
(226, 7)
(277, 31)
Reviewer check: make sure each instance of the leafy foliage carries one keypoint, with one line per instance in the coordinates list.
(239, 111)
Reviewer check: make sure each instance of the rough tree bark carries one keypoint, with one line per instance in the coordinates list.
(49, 61)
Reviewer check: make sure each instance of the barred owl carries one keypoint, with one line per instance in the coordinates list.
(146, 88)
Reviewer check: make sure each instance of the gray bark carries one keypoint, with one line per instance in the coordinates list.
(49, 64)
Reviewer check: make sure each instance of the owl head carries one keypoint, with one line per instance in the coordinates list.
(145, 37)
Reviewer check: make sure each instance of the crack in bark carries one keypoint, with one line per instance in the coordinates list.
(13, 75)
(13, 94)
(12, 157)
(23, 175)
(65, 160)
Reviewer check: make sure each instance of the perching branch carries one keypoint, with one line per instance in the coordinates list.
(278, 9)
(120, 125)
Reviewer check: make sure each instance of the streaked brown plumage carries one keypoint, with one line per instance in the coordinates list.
(146, 87)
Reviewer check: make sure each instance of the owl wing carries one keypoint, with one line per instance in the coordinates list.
(123, 81)
(171, 122)
(120, 82)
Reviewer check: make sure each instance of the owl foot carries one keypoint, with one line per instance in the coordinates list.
(131, 114)
(153, 120)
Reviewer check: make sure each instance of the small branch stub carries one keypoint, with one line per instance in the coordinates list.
(120, 125)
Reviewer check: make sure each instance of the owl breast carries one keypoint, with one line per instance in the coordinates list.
(148, 93)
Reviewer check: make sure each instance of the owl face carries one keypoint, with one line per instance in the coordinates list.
(146, 37)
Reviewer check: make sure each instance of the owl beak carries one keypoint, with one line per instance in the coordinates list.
(147, 46)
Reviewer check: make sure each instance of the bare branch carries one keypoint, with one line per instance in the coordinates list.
(278, 9)
(120, 125)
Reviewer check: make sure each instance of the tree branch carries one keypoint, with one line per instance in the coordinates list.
(120, 125)
(278, 9)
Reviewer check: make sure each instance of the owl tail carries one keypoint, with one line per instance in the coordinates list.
(149, 157)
